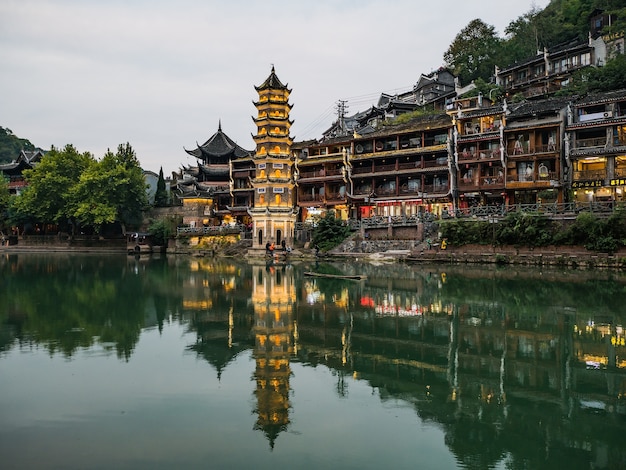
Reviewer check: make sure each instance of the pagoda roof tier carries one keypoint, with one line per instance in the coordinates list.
(272, 139)
(273, 104)
(215, 169)
(271, 209)
(273, 157)
(272, 82)
(219, 148)
(242, 160)
(191, 171)
(257, 120)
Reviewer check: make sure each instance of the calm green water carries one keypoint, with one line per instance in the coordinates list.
(180, 362)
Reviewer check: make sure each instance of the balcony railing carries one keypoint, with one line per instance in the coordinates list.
(410, 165)
(357, 170)
(211, 230)
(589, 175)
(307, 197)
(590, 143)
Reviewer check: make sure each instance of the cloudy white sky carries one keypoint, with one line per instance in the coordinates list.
(162, 74)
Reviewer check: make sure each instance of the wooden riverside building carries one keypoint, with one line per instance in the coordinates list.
(538, 151)
(453, 155)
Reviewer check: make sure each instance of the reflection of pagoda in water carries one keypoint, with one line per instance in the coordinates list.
(273, 298)
(474, 362)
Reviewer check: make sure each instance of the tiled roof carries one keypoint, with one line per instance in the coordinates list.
(219, 146)
(272, 82)
(601, 97)
(572, 45)
(536, 107)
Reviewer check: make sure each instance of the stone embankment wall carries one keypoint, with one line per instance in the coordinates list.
(50, 243)
(570, 256)
(357, 245)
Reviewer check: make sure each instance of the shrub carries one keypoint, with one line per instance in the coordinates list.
(329, 232)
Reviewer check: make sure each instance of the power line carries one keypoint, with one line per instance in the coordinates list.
(354, 101)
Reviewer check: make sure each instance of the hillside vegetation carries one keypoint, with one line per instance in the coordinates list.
(11, 145)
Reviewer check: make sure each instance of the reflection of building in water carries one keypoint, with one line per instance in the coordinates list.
(273, 298)
(214, 303)
(482, 368)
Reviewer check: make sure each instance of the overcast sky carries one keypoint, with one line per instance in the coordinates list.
(161, 75)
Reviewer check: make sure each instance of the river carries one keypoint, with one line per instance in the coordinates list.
(110, 361)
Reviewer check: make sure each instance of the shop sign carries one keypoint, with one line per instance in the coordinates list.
(587, 184)
(618, 182)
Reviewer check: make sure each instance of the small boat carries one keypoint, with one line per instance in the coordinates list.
(138, 243)
(357, 277)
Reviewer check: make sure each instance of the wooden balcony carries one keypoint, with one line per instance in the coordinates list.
(479, 155)
(308, 197)
(590, 143)
(589, 175)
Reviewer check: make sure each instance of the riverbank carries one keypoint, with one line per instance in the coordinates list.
(563, 256)
(389, 251)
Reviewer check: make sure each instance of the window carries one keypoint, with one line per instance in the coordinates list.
(585, 59)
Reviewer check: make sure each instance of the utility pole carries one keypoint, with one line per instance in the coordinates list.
(341, 114)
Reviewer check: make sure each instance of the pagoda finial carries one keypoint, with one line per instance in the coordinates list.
(219, 126)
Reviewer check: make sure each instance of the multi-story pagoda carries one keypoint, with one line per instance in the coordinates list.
(274, 213)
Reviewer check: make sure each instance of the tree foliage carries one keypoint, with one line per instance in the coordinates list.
(51, 185)
(162, 230)
(329, 231)
(598, 79)
(474, 51)
(534, 230)
(68, 186)
(111, 190)
(161, 198)
(4, 200)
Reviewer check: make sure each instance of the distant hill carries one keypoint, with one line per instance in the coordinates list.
(11, 145)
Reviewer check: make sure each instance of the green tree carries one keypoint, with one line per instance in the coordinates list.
(48, 196)
(329, 231)
(162, 229)
(474, 52)
(4, 201)
(4, 193)
(161, 198)
(525, 36)
(597, 79)
(111, 190)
